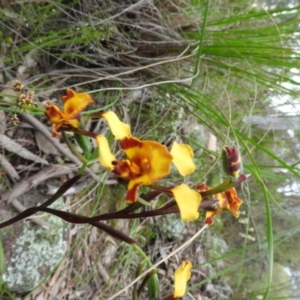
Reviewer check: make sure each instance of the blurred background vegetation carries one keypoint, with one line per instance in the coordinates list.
(210, 73)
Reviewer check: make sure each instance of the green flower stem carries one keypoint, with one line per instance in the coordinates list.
(135, 292)
(153, 283)
(142, 254)
(226, 185)
(82, 168)
(15, 110)
(73, 149)
(144, 202)
(84, 143)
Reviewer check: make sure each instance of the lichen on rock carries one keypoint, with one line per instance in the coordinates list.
(35, 253)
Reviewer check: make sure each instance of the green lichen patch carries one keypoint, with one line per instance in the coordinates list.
(172, 226)
(35, 253)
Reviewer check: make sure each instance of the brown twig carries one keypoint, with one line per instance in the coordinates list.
(9, 168)
(30, 211)
(31, 182)
(20, 207)
(28, 183)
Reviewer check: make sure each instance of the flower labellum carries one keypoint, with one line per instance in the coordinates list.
(147, 162)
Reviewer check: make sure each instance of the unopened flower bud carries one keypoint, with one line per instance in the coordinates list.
(232, 164)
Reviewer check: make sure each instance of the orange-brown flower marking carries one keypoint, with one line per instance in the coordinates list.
(74, 104)
(228, 200)
(147, 162)
(181, 276)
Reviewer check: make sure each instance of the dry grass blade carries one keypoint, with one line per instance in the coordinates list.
(44, 130)
(31, 182)
(14, 147)
(9, 168)
(55, 142)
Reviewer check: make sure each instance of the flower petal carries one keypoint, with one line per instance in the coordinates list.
(222, 200)
(75, 103)
(202, 187)
(160, 160)
(55, 128)
(105, 156)
(183, 158)
(188, 201)
(119, 129)
(233, 202)
(153, 158)
(133, 187)
(59, 118)
(210, 216)
(73, 123)
(181, 277)
(54, 113)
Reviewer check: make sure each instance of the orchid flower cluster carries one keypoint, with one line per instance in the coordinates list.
(144, 163)
(148, 161)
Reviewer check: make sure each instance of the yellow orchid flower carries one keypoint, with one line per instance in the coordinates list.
(74, 103)
(147, 161)
(181, 276)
